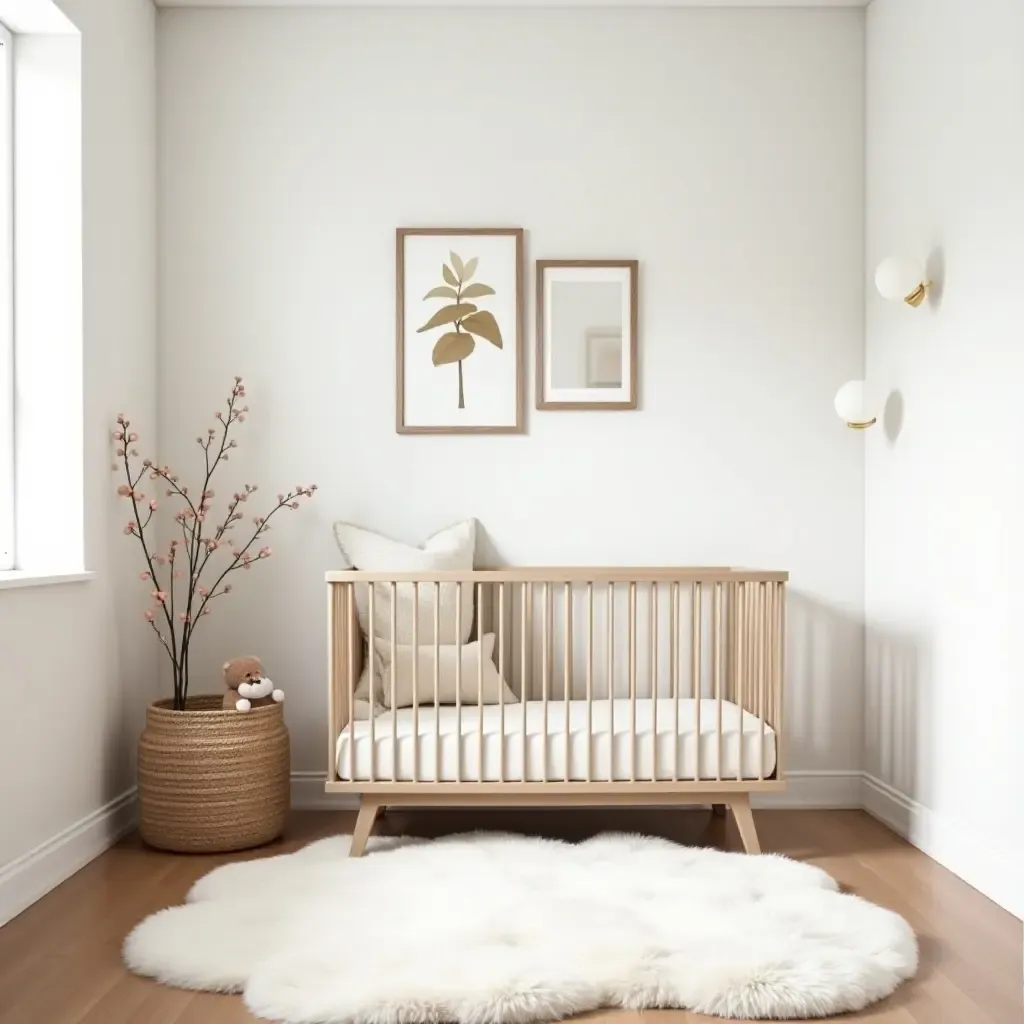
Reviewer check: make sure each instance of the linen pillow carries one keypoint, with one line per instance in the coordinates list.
(451, 548)
(467, 683)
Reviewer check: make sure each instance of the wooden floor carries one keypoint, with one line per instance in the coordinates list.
(59, 961)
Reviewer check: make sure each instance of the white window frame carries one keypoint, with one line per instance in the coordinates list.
(7, 499)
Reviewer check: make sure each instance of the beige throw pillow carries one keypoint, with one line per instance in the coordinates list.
(451, 548)
(450, 680)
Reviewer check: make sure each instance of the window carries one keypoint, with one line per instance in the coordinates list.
(6, 301)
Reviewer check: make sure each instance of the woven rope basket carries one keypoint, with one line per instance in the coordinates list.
(212, 780)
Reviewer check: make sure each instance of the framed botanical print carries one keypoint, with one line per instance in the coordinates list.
(459, 350)
(587, 334)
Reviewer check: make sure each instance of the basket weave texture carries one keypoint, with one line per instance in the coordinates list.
(210, 780)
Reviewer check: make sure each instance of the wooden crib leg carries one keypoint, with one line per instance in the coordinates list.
(744, 816)
(368, 809)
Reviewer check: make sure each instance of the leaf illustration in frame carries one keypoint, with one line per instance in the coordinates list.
(485, 326)
(456, 263)
(469, 268)
(476, 291)
(450, 348)
(446, 273)
(448, 315)
(442, 291)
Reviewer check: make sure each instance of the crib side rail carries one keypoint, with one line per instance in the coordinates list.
(707, 642)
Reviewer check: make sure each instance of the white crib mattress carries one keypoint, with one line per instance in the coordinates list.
(656, 755)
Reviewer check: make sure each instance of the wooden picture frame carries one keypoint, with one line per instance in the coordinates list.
(603, 396)
(430, 275)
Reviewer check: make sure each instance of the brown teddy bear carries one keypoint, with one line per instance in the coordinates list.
(247, 686)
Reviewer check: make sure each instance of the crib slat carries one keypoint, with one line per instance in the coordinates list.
(673, 668)
(458, 681)
(611, 682)
(780, 684)
(632, 682)
(741, 655)
(527, 617)
(501, 689)
(351, 628)
(437, 682)
(394, 708)
(762, 665)
(415, 682)
(654, 678)
(695, 668)
(480, 682)
(716, 664)
(544, 663)
(567, 670)
(373, 684)
(590, 677)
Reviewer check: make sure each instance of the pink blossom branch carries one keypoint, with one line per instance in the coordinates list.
(194, 549)
(240, 561)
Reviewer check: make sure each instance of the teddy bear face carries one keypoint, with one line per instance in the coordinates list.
(241, 671)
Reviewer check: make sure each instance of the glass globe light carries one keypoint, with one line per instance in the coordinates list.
(901, 280)
(852, 405)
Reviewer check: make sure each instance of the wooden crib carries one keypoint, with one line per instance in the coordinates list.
(639, 686)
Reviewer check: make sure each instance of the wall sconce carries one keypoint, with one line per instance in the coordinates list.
(852, 407)
(902, 280)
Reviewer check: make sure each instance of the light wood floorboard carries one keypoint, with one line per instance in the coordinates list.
(60, 962)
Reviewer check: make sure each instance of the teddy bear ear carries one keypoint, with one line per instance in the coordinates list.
(225, 666)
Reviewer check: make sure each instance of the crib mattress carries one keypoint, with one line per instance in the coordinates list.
(663, 749)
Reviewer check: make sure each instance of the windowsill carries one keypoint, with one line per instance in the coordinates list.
(11, 578)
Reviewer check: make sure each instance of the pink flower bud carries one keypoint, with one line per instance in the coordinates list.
(227, 589)
(120, 417)
(130, 528)
(120, 452)
(159, 595)
(295, 504)
(152, 506)
(147, 463)
(118, 435)
(183, 616)
(241, 418)
(199, 440)
(232, 444)
(148, 613)
(133, 437)
(160, 559)
(203, 592)
(124, 491)
(265, 552)
(206, 611)
(238, 380)
(144, 575)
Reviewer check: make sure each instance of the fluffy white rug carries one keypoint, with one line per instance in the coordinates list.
(486, 928)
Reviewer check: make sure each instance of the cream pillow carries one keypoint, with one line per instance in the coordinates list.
(467, 683)
(451, 548)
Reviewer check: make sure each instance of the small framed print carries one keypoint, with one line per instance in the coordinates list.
(587, 334)
(459, 352)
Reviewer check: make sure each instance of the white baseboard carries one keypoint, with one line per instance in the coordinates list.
(818, 790)
(34, 874)
(831, 790)
(953, 844)
(308, 794)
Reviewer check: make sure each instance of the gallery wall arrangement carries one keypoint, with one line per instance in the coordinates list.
(459, 350)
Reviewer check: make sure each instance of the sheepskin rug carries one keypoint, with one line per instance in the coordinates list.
(486, 927)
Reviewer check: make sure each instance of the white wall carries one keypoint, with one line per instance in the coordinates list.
(724, 149)
(80, 665)
(945, 554)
